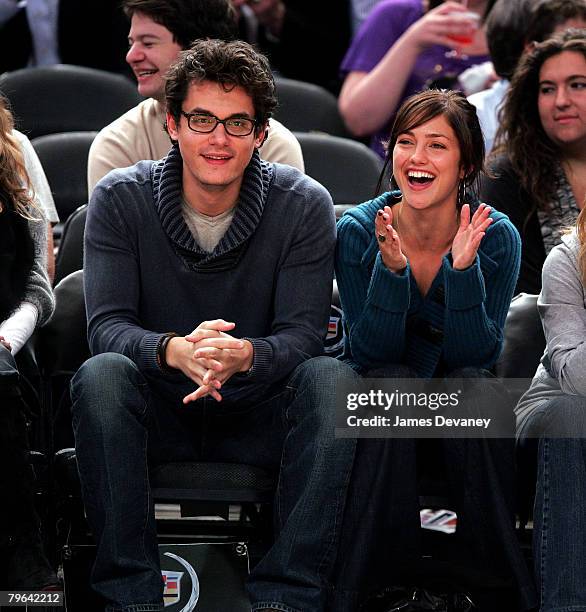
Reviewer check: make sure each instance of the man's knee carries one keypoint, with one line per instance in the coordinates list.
(104, 380)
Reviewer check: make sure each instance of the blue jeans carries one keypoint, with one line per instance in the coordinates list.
(122, 426)
(559, 533)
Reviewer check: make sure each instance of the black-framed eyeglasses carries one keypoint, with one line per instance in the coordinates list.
(205, 124)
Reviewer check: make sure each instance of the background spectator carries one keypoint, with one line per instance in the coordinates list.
(539, 159)
(400, 50)
(551, 16)
(508, 35)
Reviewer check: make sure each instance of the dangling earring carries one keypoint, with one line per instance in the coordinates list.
(460, 198)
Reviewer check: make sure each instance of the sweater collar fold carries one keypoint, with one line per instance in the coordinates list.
(167, 192)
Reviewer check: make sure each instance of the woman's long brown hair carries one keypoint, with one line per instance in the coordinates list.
(15, 187)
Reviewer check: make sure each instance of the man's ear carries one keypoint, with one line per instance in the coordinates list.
(261, 136)
(171, 127)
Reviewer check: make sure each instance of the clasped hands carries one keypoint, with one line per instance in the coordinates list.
(209, 356)
(464, 245)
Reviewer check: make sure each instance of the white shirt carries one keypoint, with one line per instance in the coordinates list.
(488, 104)
(36, 174)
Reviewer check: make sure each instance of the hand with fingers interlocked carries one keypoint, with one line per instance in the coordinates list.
(209, 356)
(469, 235)
(389, 242)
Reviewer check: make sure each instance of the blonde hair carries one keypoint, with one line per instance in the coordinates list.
(15, 186)
(581, 231)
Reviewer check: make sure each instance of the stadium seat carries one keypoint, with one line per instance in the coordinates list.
(64, 159)
(524, 344)
(70, 254)
(66, 98)
(305, 107)
(348, 169)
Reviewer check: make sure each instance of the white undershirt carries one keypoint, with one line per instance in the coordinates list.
(207, 231)
(19, 326)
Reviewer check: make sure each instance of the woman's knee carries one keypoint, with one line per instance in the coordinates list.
(564, 416)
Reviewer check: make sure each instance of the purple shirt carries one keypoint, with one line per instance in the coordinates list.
(384, 26)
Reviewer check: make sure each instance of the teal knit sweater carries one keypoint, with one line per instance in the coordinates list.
(459, 323)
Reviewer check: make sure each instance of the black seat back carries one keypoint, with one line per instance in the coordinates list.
(70, 254)
(305, 107)
(66, 98)
(64, 157)
(348, 169)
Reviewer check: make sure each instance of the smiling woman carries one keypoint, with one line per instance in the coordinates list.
(421, 239)
(426, 274)
(539, 160)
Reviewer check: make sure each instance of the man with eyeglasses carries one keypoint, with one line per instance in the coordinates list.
(208, 282)
(159, 30)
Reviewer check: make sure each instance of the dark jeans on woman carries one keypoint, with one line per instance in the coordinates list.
(20, 544)
(381, 535)
(559, 530)
(122, 426)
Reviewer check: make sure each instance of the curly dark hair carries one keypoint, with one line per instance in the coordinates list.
(231, 64)
(460, 115)
(188, 20)
(520, 136)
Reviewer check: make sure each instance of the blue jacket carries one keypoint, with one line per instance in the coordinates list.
(271, 273)
(459, 322)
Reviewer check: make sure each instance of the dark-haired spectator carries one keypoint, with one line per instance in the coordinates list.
(426, 275)
(40, 32)
(303, 39)
(159, 30)
(506, 28)
(401, 49)
(211, 269)
(508, 35)
(549, 16)
(539, 158)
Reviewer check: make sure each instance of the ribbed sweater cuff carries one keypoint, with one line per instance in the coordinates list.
(147, 353)
(464, 288)
(262, 358)
(388, 291)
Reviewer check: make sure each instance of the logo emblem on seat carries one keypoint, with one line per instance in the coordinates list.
(172, 591)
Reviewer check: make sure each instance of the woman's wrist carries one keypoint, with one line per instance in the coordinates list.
(396, 267)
